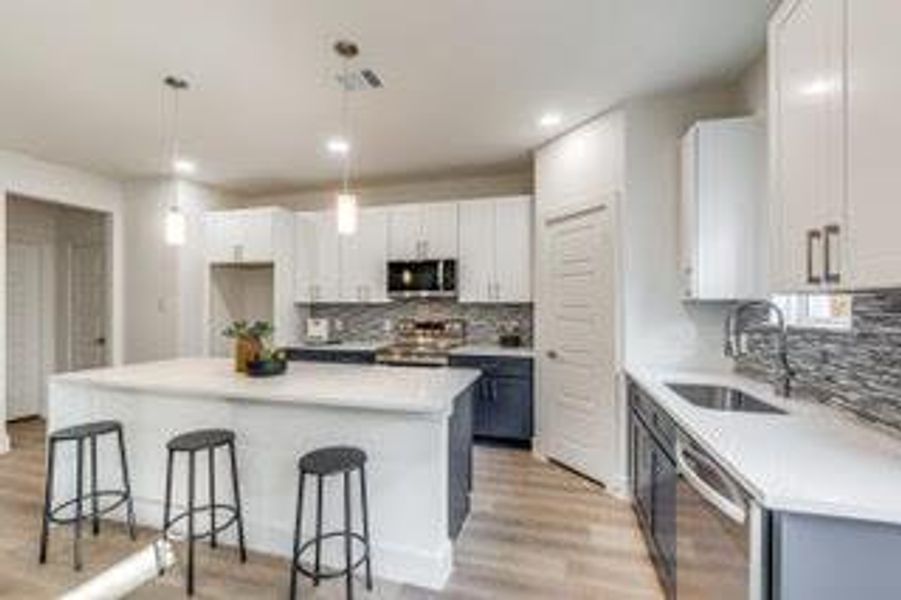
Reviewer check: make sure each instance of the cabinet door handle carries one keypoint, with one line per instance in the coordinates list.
(813, 236)
(831, 232)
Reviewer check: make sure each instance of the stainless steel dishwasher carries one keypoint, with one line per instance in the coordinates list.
(719, 532)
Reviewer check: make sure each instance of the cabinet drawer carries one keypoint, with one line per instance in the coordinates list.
(494, 366)
(332, 356)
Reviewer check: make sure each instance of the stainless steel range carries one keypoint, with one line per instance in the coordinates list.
(423, 342)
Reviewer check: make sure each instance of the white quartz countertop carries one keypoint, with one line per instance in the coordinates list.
(815, 459)
(369, 387)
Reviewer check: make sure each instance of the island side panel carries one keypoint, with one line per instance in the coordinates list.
(460, 461)
(408, 469)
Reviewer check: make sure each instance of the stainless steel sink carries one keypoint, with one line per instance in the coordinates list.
(722, 398)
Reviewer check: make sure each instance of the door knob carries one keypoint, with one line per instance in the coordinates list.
(552, 354)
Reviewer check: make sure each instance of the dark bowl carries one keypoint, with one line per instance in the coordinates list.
(267, 368)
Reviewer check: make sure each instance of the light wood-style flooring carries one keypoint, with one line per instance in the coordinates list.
(536, 531)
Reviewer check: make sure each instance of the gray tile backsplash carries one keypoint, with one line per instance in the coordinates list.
(366, 322)
(857, 370)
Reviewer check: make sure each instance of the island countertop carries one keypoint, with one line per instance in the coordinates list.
(370, 387)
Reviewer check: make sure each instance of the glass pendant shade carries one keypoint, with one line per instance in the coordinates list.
(347, 214)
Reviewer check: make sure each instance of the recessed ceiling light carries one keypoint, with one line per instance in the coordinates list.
(550, 120)
(338, 146)
(184, 166)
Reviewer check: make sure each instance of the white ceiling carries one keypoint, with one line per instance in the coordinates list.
(80, 80)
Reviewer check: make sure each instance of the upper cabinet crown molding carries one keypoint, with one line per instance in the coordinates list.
(834, 128)
(722, 213)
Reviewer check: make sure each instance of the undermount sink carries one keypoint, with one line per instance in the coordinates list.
(722, 398)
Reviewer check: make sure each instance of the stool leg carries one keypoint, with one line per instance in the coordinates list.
(79, 493)
(95, 501)
(237, 492)
(298, 518)
(348, 549)
(191, 523)
(48, 502)
(318, 528)
(212, 469)
(167, 504)
(365, 502)
(126, 484)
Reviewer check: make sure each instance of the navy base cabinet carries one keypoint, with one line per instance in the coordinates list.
(503, 407)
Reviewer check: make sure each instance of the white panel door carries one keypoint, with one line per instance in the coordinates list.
(513, 249)
(807, 125)
(874, 142)
(405, 232)
(88, 292)
(476, 266)
(24, 352)
(439, 230)
(578, 364)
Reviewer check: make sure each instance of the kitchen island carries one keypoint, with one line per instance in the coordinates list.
(414, 424)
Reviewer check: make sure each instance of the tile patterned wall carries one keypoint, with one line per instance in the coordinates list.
(366, 322)
(857, 370)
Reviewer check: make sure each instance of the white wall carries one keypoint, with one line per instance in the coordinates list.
(164, 284)
(660, 328)
(27, 176)
(403, 190)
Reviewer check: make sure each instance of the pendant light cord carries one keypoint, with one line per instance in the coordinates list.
(177, 85)
(345, 125)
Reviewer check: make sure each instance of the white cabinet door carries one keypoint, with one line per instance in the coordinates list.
(306, 246)
(476, 266)
(364, 258)
(806, 93)
(439, 230)
(326, 280)
(874, 144)
(255, 230)
(219, 237)
(405, 232)
(513, 249)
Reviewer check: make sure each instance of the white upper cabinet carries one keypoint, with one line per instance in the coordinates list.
(807, 145)
(495, 256)
(243, 236)
(874, 144)
(722, 211)
(835, 127)
(317, 272)
(420, 231)
(364, 258)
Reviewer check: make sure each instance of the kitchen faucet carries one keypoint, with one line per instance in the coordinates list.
(734, 329)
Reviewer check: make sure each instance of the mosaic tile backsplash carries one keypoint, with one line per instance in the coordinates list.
(366, 322)
(857, 370)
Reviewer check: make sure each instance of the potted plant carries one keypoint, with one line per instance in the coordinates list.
(254, 350)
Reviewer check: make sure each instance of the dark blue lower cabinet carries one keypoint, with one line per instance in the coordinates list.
(460, 461)
(503, 404)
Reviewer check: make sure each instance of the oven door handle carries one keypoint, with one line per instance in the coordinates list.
(726, 506)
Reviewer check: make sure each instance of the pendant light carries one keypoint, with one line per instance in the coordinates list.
(176, 224)
(347, 207)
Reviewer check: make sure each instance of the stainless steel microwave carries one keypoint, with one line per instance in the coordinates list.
(422, 278)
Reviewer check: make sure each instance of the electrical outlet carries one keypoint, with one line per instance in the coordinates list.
(743, 343)
(339, 325)
(387, 325)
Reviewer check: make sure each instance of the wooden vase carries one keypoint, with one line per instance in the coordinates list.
(246, 350)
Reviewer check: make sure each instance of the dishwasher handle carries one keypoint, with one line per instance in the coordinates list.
(727, 506)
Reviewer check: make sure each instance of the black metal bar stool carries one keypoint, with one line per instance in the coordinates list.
(322, 463)
(85, 432)
(193, 442)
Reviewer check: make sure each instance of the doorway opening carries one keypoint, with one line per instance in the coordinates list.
(58, 297)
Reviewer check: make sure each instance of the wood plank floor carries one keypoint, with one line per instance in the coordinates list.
(536, 531)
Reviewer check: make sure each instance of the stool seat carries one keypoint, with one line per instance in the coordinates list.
(85, 430)
(200, 439)
(331, 460)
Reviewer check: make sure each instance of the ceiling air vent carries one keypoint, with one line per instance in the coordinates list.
(358, 81)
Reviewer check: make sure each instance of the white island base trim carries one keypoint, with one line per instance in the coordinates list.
(407, 471)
